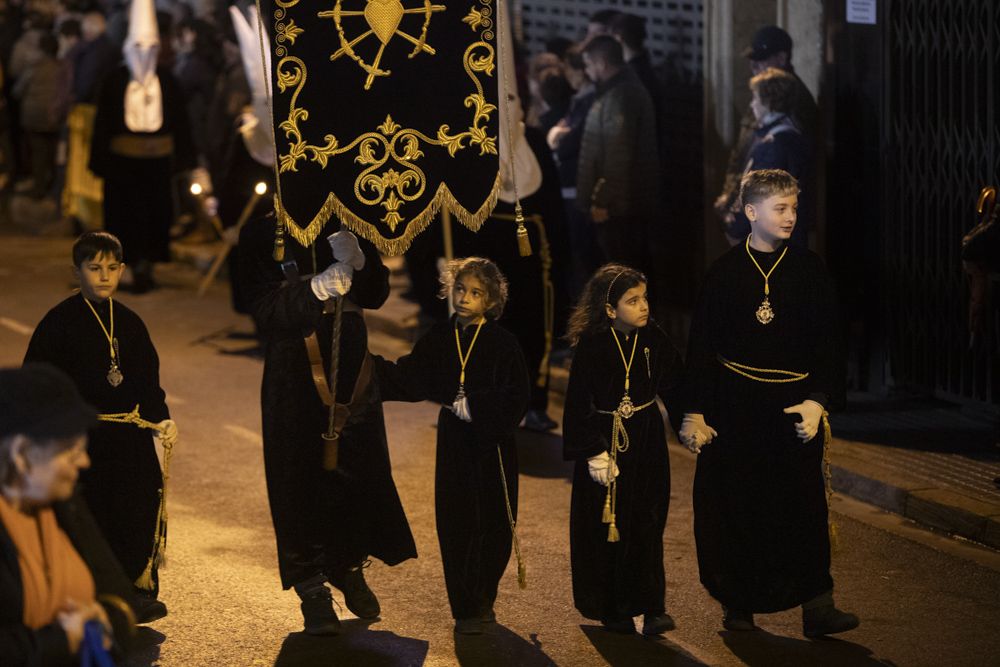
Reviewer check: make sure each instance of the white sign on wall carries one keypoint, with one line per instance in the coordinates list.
(861, 11)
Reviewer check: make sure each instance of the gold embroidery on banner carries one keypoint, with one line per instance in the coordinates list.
(393, 187)
(383, 18)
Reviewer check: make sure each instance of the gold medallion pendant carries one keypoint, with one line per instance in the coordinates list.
(765, 314)
(626, 409)
(115, 376)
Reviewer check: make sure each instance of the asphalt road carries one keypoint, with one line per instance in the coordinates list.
(924, 599)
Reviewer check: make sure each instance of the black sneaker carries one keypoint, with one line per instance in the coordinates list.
(318, 613)
(657, 624)
(148, 608)
(737, 621)
(359, 598)
(537, 420)
(827, 620)
(622, 626)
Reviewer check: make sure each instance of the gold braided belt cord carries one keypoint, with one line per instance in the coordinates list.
(619, 443)
(159, 552)
(778, 376)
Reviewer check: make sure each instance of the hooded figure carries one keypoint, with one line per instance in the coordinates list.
(534, 297)
(142, 139)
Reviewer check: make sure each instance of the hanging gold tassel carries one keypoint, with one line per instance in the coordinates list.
(613, 531)
(828, 482)
(523, 242)
(279, 235)
(522, 574)
(607, 517)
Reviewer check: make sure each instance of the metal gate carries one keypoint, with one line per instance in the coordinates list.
(941, 144)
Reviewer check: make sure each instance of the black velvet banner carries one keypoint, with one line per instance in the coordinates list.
(385, 111)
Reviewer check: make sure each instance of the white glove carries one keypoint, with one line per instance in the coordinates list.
(168, 432)
(812, 413)
(335, 281)
(695, 433)
(602, 469)
(346, 249)
(461, 409)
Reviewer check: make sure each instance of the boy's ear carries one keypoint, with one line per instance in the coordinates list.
(750, 212)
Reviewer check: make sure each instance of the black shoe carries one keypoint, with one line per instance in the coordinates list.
(469, 626)
(622, 626)
(148, 609)
(537, 420)
(657, 624)
(359, 598)
(737, 621)
(827, 620)
(318, 613)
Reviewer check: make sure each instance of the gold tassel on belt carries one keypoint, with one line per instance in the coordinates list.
(158, 556)
(619, 443)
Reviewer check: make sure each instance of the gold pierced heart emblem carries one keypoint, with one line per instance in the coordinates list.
(383, 18)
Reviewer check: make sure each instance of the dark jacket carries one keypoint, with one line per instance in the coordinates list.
(47, 646)
(619, 165)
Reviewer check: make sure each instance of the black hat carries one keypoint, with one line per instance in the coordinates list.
(41, 402)
(766, 42)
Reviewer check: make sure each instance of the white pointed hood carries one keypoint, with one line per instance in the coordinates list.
(143, 96)
(255, 125)
(524, 164)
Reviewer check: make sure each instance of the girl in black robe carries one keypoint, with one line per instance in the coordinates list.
(327, 523)
(473, 526)
(122, 486)
(755, 358)
(614, 581)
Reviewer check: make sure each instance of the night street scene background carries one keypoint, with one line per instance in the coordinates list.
(641, 120)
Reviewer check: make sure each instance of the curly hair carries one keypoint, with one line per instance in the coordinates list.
(608, 284)
(486, 272)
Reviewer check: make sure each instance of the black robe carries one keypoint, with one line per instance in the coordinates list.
(472, 524)
(759, 501)
(138, 192)
(324, 521)
(122, 485)
(615, 580)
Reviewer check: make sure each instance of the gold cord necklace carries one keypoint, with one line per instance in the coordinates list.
(765, 314)
(464, 359)
(625, 408)
(114, 376)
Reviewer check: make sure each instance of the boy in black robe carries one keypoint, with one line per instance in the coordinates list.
(327, 523)
(763, 365)
(621, 482)
(476, 371)
(105, 348)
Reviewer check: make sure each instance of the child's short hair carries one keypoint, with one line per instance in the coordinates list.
(94, 244)
(758, 185)
(487, 272)
(776, 88)
(605, 288)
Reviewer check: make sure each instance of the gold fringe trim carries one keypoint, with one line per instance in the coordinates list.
(333, 206)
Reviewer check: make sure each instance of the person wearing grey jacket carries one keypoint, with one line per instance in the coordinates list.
(618, 175)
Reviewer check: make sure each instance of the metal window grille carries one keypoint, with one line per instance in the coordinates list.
(941, 145)
(674, 28)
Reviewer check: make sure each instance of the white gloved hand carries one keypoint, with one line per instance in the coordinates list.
(695, 433)
(335, 281)
(602, 469)
(168, 432)
(461, 409)
(346, 249)
(812, 413)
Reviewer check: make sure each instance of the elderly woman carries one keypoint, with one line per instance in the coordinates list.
(56, 572)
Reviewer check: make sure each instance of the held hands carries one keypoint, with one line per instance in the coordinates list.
(335, 281)
(695, 433)
(461, 409)
(812, 413)
(346, 249)
(168, 432)
(602, 469)
(73, 616)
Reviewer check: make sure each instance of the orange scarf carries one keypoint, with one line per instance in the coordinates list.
(52, 572)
